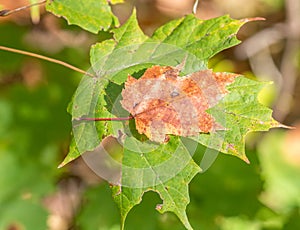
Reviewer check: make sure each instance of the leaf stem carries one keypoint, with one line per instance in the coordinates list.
(4, 13)
(46, 59)
(106, 118)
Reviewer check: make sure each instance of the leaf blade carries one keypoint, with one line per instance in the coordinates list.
(240, 113)
(172, 190)
(92, 15)
(134, 51)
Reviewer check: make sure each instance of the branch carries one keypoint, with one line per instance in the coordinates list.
(256, 48)
(288, 67)
(46, 59)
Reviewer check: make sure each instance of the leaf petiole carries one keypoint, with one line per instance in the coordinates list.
(106, 118)
(46, 59)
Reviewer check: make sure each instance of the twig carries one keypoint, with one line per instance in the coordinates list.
(261, 41)
(195, 6)
(46, 59)
(4, 13)
(256, 48)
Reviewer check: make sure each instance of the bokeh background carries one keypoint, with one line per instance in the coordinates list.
(35, 127)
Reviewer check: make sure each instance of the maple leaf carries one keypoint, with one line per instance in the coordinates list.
(158, 171)
(164, 103)
(240, 112)
(219, 110)
(92, 15)
(130, 50)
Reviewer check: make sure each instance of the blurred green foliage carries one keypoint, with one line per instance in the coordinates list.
(34, 127)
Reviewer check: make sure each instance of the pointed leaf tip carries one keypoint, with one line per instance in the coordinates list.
(62, 164)
(246, 160)
(285, 126)
(67, 160)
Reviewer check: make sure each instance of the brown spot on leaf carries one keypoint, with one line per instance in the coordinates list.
(164, 103)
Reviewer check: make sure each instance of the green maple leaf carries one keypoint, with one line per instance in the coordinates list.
(130, 52)
(159, 171)
(240, 113)
(91, 15)
(88, 100)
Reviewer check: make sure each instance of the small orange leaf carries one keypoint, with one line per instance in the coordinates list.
(164, 103)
